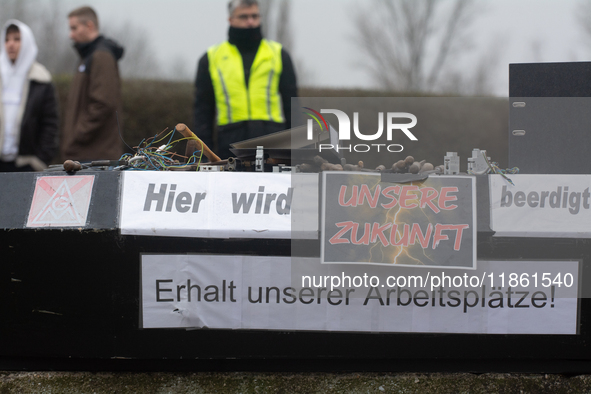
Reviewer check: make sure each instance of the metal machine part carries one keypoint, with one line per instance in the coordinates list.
(260, 160)
(211, 168)
(284, 168)
(451, 163)
(477, 164)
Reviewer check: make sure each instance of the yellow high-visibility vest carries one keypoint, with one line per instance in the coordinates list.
(235, 102)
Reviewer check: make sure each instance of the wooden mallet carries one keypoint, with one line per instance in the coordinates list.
(187, 133)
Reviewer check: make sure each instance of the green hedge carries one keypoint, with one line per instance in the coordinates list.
(149, 106)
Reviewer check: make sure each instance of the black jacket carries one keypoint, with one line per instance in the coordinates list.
(204, 109)
(38, 142)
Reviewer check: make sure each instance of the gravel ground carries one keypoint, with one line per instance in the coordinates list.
(87, 382)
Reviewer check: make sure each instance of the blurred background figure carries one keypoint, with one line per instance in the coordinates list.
(248, 80)
(28, 112)
(91, 129)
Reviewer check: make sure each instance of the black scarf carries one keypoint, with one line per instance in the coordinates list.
(245, 39)
(85, 49)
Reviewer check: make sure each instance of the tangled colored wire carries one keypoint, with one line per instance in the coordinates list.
(151, 156)
(493, 168)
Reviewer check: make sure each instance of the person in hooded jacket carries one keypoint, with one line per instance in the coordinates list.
(28, 109)
(94, 105)
(244, 85)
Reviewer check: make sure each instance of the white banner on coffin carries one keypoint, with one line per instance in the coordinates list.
(220, 205)
(254, 292)
(554, 206)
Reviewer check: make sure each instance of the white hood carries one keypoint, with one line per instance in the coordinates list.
(14, 75)
(14, 83)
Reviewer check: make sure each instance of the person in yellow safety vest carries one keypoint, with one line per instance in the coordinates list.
(243, 85)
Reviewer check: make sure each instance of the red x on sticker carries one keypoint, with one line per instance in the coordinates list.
(61, 201)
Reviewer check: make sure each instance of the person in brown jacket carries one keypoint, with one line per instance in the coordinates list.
(91, 130)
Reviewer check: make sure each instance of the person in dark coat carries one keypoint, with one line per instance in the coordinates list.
(28, 109)
(243, 85)
(91, 129)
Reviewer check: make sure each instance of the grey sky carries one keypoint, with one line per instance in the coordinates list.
(181, 31)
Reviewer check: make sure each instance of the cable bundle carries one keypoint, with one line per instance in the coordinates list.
(493, 168)
(151, 156)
